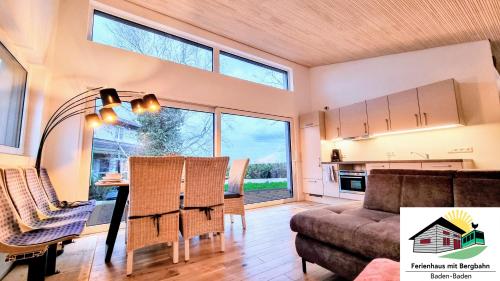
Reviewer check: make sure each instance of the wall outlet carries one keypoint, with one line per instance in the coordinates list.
(462, 150)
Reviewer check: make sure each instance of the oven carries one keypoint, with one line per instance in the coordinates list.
(352, 181)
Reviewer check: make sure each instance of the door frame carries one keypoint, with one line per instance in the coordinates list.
(292, 175)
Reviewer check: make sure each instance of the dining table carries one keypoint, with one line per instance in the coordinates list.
(118, 210)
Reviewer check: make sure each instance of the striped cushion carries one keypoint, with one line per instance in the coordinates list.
(52, 195)
(41, 236)
(42, 201)
(26, 206)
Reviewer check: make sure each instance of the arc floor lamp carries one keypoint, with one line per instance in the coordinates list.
(77, 105)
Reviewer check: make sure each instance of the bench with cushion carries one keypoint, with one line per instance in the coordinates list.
(38, 246)
(344, 239)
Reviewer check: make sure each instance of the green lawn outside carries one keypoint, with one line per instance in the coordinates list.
(263, 185)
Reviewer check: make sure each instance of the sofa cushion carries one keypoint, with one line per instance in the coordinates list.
(383, 192)
(343, 207)
(339, 230)
(378, 239)
(327, 226)
(427, 191)
(477, 189)
(373, 215)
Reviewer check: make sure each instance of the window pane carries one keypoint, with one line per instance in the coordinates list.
(242, 68)
(120, 33)
(12, 90)
(267, 144)
(170, 131)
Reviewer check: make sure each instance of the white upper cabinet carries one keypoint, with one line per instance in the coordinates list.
(332, 124)
(404, 109)
(312, 119)
(438, 103)
(379, 120)
(354, 120)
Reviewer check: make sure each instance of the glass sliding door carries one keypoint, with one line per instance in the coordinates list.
(266, 142)
(169, 131)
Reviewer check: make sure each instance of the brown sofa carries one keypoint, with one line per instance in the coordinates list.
(345, 238)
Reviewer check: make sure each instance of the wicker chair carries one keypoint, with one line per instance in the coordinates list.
(42, 201)
(153, 204)
(234, 201)
(32, 245)
(54, 199)
(202, 211)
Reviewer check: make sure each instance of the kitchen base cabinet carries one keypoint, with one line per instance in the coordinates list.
(409, 165)
(330, 180)
(442, 166)
(313, 186)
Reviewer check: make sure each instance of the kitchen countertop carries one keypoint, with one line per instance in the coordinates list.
(399, 161)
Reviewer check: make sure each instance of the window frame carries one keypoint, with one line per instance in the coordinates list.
(216, 48)
(19, 150)
(146, 28)
(256, 63)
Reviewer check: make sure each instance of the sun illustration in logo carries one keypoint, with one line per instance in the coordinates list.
(461, 219)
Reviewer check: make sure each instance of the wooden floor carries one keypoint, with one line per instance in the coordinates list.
(265, 251)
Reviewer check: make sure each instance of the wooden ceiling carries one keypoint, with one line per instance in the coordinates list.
(319, 32)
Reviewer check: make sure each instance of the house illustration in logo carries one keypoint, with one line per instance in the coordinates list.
(443, 235)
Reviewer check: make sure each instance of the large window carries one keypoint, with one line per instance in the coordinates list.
(12, 92)
(246, 69)
(117, 32)
(120, 33)
(266, 143)
(170, 131)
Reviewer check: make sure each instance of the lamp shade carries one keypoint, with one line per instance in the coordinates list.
(109, 97)
(108, 115)
(93, 120)
(137, 106)
(151, 103)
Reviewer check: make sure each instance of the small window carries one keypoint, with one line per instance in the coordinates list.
(446, 232)
(239, 67)
(124, 34)
(13, 78)
(425, 241)
(446, 241)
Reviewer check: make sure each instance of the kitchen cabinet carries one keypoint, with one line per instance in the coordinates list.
(311, 152)
(311, 134)
(354, 120)
(405, 112)
(442, 165)
(331, 180)
(371, 166)
(409, 165)
(312, 186)
(313, 119)
(379, 120)
(332, 124)
(438, 103)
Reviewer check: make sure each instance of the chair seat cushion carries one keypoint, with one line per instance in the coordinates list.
(46, 235)
(229, 195)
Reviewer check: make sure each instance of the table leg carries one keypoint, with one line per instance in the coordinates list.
(114, 226)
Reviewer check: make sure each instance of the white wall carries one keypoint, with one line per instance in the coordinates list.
(470, 64)
(76, 63)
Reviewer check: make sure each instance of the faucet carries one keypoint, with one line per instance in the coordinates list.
(423, 155)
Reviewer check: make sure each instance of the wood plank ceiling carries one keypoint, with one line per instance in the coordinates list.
(322, 32)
